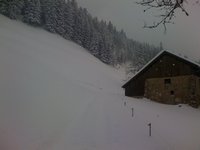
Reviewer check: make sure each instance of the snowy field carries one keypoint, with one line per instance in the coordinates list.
(55, 96)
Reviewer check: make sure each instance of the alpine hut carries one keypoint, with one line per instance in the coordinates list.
(167, 78)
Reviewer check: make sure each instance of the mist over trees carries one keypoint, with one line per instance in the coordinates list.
(72, 22)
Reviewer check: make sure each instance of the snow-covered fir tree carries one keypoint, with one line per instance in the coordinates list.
(4, 4)
(94, 44)
(48, 15)
(78, 36)
(59, 17)
(87, 30)
(107, 45)
(69, 15)
(14, 8)
(32, 12)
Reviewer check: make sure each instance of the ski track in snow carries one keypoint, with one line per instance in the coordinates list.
(56, 96)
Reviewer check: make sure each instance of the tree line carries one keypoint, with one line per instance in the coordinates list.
(66, 18)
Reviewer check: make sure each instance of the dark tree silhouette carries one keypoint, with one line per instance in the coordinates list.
(166, 9)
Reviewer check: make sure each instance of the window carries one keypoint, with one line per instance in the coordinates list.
(167, 81)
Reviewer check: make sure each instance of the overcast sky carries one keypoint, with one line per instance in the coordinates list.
(182, 37)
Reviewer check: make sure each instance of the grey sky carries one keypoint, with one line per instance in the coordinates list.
(182, 37)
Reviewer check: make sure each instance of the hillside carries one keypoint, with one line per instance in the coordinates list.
(56, 96)
(72, 22)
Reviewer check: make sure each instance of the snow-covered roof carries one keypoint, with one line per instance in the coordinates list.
(158, 56)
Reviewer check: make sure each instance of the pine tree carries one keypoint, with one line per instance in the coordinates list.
(4, 5)
(94, 44)
(14, 8)
(48, 15)
(59, 17)
(87, 30)
(76, 12)
(32, 12)
(69, 15)
(79, 27)
(108, 47)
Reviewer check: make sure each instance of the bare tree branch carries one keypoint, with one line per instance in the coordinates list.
(167, 9)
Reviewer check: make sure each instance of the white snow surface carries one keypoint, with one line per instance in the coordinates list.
(54, 95)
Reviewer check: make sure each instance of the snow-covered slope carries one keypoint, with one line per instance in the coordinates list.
(55, 96)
